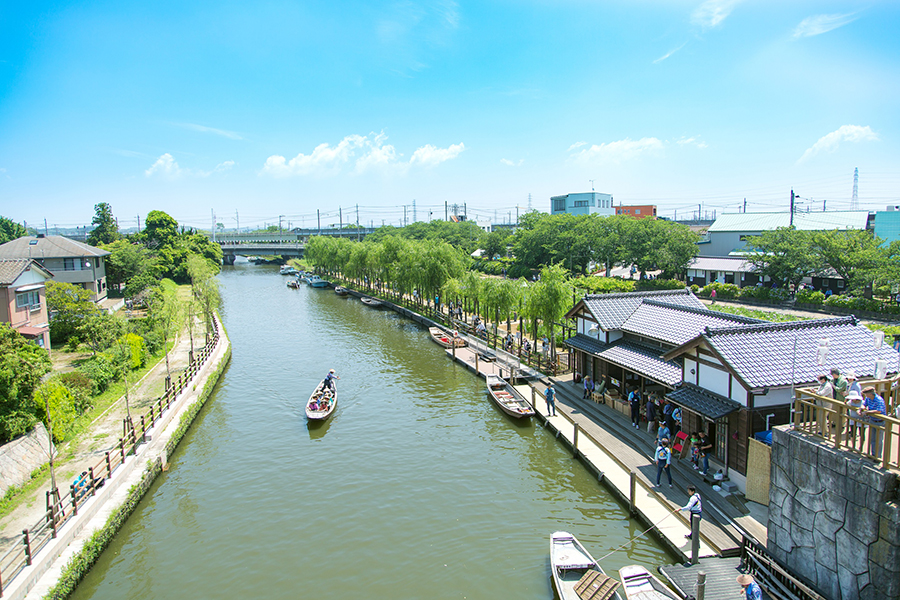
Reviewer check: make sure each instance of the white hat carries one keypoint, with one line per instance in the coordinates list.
(850, 374)
(854, 395)
(331, 371)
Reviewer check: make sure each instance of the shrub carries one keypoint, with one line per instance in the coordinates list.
(695, 288)
(101, 369)
(764, 293)
(724, 291)
(659, 284)
(605, 285)
(807, 296)
(82, 388)
(62, 407)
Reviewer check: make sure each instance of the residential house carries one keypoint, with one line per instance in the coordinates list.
(22, 300)
(642, 211)
(68, 260)
(582, 203)
(730, 375)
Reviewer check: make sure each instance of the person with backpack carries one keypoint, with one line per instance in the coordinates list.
(663, 458)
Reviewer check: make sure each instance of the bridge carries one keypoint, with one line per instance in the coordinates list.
(290, 244)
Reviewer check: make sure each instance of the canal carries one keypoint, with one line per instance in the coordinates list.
(417, 487)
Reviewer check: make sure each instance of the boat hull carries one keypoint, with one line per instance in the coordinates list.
(314, 406)
(372, 302)
(640, 584)
(570, 562)
(443, 339)
(507, 398)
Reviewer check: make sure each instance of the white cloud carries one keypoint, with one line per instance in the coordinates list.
(370, 153)
(820, 24)
(832, 141)
(512, 163)
(712, 12)
(429, 155)
(203, 129)
(166, 167)
(691, 141)
(620, 150)
(669, 53)
(576, 145)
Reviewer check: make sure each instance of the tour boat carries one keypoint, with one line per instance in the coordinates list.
(442, 338)
(640, 584)
(322, 402)
(317, 282)
(576, 574)
(293, 283)
(371, 302)
(341, 291)
(507, 398)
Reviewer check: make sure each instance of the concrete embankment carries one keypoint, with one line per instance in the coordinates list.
(63, 562)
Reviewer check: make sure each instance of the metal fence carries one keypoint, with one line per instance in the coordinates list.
(63, 505)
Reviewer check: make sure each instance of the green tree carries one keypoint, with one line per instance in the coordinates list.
(128, 260)
(204, 287)
(54, 397)
(493, 244)
(100, 330)
(160, 230)
(167, 310)
(785, 255)
(548, 299)
(69, 305)
(10, 230)
(855, 254)
(22, 364)
(105, 230)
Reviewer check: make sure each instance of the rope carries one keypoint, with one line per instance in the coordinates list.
(632, 540)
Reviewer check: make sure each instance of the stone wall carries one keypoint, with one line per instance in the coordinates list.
(20, 457)
(834, 518)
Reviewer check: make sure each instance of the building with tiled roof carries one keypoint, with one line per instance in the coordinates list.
(731, 375)
(69, 261)
(22, 300)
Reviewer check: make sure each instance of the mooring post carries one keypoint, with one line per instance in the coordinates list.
(695, 540)
(575, 440)
(476, 362)
(632, 480)
(701, 585)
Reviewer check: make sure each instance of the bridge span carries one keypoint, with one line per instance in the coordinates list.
(289, 244)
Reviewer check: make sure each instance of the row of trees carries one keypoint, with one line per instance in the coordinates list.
(787, 255)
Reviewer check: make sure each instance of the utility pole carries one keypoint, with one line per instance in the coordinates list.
(699, 212)
(357, 222)
(212, 212)
(465, 212)
(745, 206)
(237, 218)
(446, 216)
(340, 218)
(279, 224)
(46, 233)
(404, 215)
(319, 221)
(792, 207)
(517, 210)
(139, 223)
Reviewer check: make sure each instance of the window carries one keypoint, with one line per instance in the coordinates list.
(559, 204)
(71, 264)
(637, 211)
(28, 299)
(581, 203)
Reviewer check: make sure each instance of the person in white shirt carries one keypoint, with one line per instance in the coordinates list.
(694, 506)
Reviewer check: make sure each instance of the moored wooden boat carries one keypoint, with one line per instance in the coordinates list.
(341, 291)
(444, 339)
(640, 584)
(576, 574)
(322, 402)
(293, 283)
(507, 398)
(372, 302)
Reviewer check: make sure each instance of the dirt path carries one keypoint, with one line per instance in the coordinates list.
(103, 434)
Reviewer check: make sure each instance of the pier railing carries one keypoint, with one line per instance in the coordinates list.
(845, 428)
(63, 504)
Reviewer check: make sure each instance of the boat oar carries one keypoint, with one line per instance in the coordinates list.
(638, 536)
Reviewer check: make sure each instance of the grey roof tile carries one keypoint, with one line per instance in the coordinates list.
(585, 343)
(643, 360)
(676, 324)
(763, 355)
(51, 246)
(702, 401)
(611, 310)
(11, 268)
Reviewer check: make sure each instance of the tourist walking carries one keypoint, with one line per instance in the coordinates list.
(550, 397)
(873, 405)
(651, 413)
(663, 433)
(694, 506)
(751, 589)
(713, 296)
(635, 399)
(663, 461)
(705, 449)
(588, 388)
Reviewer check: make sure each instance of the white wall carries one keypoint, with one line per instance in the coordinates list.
(773, 398)
(714, 379)
(688, 366)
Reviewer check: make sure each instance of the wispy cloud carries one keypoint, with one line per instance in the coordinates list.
(576, 145)
(712, 12)
(691, 141)
(512, 163)
(669, 53)
(370, 152)
(820, 24)
(832, 141)
(204, 129)
(166, 167)
(618, 151)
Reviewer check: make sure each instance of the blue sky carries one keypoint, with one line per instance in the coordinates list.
(286, 108)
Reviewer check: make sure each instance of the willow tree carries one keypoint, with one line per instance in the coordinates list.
(548, 299)
(205, 289)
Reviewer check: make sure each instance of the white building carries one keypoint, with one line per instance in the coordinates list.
(582, 203)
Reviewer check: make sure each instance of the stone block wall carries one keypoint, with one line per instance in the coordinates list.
(20, 457)
(834, 518)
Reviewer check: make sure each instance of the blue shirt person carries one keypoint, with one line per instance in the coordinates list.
(550, 397)
(752, 590)
(872, 405)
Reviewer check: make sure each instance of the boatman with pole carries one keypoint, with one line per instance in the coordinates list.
(329, 380)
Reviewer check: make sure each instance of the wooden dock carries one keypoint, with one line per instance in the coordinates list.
(721, 577)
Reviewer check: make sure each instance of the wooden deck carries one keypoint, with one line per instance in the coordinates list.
(721, 577)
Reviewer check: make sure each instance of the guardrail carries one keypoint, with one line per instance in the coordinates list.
(60, 508)
(842, 426)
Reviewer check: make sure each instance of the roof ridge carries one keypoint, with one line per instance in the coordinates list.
(766, 326)
(706, 311)
(684, 290)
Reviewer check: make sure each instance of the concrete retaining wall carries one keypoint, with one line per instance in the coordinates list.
(834, 518)
(20, 457)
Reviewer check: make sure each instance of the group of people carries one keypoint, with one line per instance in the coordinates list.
(864, 406)
(323, 396)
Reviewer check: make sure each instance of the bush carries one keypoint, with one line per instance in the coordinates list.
(808, 296)
(851, 303)
(82, 388)
(101, 369)
(724, 291)
(605, 285)
(764, 293)
(695, 288)
(132, 351)
(62, 407)
(647, 285)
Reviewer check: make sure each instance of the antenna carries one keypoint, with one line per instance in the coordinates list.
(854, 201)
(592, 184)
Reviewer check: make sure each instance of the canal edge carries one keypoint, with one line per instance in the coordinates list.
(60, 571)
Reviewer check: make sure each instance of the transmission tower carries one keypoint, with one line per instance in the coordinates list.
(529, 202)
(854, 201)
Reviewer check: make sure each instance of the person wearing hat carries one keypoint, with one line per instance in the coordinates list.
(826, 390)
(695, 506)
(329, 379)
(852, 383)
(663, 457)
(550, 397)
(854, 424)
(873, 405)
(751, 589)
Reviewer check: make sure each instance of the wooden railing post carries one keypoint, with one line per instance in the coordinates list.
(108, 466)
(26, 539)
(575, 439)
(122, 449)
(74, 492)
(93, 484)
(839, 423)
(701, 585)
(632, 481)
(144, 428)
